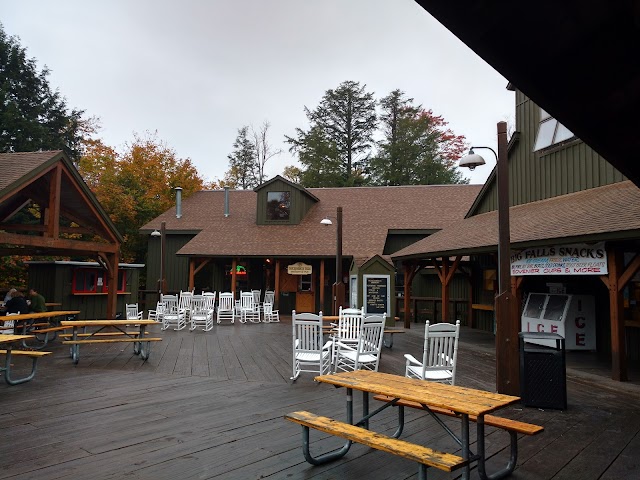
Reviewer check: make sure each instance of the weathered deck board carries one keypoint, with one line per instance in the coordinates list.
(210, 405)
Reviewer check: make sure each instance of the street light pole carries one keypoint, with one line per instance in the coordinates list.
(163, 237)
(507, 321)
(338, 294)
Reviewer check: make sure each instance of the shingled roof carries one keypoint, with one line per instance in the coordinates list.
(369, 213)
(611, 212)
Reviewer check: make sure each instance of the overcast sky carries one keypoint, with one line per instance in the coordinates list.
(197, 70)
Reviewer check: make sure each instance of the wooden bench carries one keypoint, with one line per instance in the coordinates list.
(490, 420)
(35, 356)
(424, 456)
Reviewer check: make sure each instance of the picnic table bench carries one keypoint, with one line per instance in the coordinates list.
(109, 331)
(9, 353)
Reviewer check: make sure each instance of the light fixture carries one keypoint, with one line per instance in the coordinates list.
(326, 221)
(473, 160)
(156, 233)
(338, 286)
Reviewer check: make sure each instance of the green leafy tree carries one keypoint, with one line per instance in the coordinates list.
(243, 162)
(136, 186)
(417, 148)
(335, 150)
(32, 116)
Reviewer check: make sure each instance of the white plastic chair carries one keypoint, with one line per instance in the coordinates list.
(156, 314)
(226, 307)
(309, 352)
(173, 315)
(248, 308)
(8, 326)
(201, 316)
(365, 355)
(439, 355)
(269, 314)
(132, 312)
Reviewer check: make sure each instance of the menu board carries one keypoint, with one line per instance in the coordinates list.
(376, 294)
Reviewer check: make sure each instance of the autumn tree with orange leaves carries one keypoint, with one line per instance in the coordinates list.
(136, 186)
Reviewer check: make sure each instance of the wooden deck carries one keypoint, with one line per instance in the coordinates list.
(210, 405)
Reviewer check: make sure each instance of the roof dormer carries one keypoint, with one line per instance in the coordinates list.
(281, 202)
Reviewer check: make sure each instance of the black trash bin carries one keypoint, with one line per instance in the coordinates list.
(543, 379)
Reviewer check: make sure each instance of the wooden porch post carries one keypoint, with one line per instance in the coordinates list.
(192, 267)
(407, 294)
(616, 306)
(234, 264)
(276, 290)
(321, 286)
(111, 263)
(53, 213)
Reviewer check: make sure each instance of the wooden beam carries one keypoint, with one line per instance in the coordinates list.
(15, 227)
(276, 289)
(110, 261)
(616, 314)
(61, 243)
(629, 272)
(201, 265)
(53, 217)
(444, 279)
(234, 265)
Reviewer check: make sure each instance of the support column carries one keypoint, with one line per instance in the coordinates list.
(321, 284)
(616, 309)
(192, 268)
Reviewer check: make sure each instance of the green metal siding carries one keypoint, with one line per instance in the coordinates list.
(396, 242)
(176, 267)
(55, 283)
(532, 176)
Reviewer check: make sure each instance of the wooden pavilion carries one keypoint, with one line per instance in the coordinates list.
(71, 221)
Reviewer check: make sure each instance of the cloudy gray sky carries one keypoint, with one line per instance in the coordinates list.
(195, 70)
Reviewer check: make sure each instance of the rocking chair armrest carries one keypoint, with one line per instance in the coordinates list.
(411, 359)
(328, 345)
(345, 346)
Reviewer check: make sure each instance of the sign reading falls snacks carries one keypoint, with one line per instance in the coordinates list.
(577, 259)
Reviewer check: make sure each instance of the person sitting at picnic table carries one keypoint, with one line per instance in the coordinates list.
(7, 297)
(37, 301)
(17, 303)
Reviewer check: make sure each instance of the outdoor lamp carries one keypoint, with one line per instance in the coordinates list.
(473, 160)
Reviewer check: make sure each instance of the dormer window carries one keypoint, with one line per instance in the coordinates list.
(278, 206)
(550, 132)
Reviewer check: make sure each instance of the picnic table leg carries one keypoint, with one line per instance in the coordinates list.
(7, 369)
(145, 347)
(513, 458)
(388, 344)
(75, 348)
(334, 454)
(466, 471)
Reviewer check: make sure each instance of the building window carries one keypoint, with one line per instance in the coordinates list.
(94, 280)
(306, 283)
(550, 132)
(278, 205)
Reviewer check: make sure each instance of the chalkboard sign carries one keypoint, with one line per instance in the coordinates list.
(376, 294)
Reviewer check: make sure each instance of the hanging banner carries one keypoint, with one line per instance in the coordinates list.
(576, 259)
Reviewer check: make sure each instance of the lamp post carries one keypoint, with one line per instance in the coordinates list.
(507, 321)
(162, 284)
(338, 286)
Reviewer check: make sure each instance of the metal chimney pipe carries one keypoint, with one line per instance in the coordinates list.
(178, 202)
(226, 202)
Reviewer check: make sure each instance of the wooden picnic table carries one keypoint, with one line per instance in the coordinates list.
(41, 332)
(110, 331)
(460, 401)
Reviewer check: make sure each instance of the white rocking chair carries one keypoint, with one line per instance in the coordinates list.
(309, 353)
(132, 312)
(201, 316)
(269, 314)
(439, 355)
(365, 355)
(173, 316)
(249, 310)
(226, 307)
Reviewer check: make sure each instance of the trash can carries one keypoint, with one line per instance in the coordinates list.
(543, 380)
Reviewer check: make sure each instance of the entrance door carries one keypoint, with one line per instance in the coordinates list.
(305, 297)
